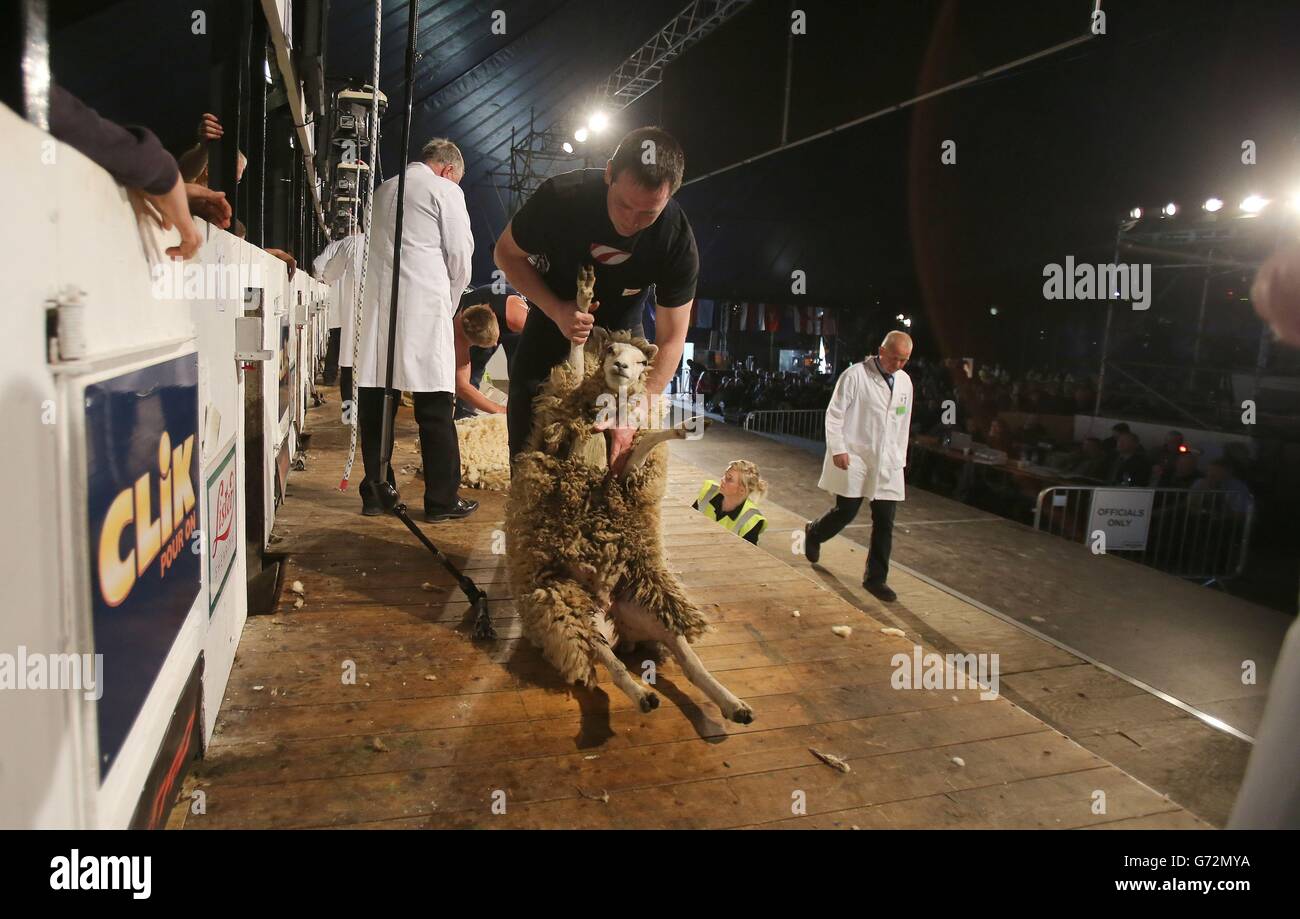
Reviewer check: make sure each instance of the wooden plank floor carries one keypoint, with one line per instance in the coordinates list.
(438, 731)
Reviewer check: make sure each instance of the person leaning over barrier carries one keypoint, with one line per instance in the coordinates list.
(733, 501)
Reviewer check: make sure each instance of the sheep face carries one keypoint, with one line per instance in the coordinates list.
(624, 366)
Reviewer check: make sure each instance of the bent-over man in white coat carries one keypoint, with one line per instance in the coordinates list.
(866, 449)
(437, 245)
(339, 265)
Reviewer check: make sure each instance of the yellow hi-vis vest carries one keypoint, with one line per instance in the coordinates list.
(746, 520)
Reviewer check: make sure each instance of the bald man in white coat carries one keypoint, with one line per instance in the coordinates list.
(867, 423)
(437, 245)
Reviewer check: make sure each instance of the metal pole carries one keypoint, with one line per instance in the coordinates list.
(789, 72)
(1105, 337)
(386, 430)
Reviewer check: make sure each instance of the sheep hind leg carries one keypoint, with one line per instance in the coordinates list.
(637, 619)
(646, 700)
(732, 707)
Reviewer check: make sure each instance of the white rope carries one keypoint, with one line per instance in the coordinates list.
(365, 257)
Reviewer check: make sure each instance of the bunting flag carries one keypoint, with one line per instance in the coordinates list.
(829, 326)
(704, 314)
(772, 318)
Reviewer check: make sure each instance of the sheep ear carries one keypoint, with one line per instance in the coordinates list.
(650, 352)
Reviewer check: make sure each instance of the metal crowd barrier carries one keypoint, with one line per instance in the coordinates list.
(810, 424)
(1197, 534)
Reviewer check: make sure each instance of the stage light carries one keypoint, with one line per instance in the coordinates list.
(993, 310)
(1254, 204)
(1213, 204)
(580, 135)
(567, 147)
(1170, 209)
(908, 322)
(1136, 213)
(598, 122)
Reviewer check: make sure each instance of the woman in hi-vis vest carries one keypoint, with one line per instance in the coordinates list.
(733, 501)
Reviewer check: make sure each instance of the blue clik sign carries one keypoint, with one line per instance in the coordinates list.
(143, 478)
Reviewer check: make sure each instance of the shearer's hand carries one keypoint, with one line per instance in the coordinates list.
(574, 324)
(841, 460)
(618, 443)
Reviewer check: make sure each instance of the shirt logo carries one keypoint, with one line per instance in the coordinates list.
(608, 255)
(629, 291)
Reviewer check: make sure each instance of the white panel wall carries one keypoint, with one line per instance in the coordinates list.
(78, 231)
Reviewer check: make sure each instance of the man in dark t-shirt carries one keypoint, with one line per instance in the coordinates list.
(623, 221)
(511, 311)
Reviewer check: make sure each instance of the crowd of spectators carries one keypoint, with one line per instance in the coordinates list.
(737, 391)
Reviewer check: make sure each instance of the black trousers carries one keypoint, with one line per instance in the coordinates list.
(519, 413)
(438, 446)
(345, 384)
(332, 356)
(882, 531)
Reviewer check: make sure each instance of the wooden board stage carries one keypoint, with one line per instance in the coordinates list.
(439, 732)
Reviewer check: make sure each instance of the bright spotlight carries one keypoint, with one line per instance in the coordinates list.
(598, 122)
(580, 135)
(1136, 213)
(908, 322)
(1170, 209)
(899, 317)
(1254, 204)
(1213, 204)
(567, 147)
(993, 310)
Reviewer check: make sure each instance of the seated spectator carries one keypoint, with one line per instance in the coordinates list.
(1111, 443)
(999, 438)
(733, 501)
(1129, 467)
(1219, 477)
(1182, 472)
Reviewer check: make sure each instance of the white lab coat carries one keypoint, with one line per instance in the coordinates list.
(870, 424)
(318, 272)
(342, 268)
(437, 245)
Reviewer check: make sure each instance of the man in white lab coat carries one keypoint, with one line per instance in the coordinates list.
(866, 448)
(437, 245)
(339, 265)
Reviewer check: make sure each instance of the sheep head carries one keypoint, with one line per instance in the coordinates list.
(624, 361)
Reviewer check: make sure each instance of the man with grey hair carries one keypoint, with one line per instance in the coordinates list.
(437, 245)
(867, 423)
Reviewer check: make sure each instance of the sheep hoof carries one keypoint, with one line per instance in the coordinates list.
(743, 715)
(649, 702)
(483, 628)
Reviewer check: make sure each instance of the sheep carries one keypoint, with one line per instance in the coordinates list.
(584, 550)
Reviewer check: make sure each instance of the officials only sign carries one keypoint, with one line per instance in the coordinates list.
(1124, 515)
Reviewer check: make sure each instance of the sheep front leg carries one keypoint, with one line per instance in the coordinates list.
(647, 701)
